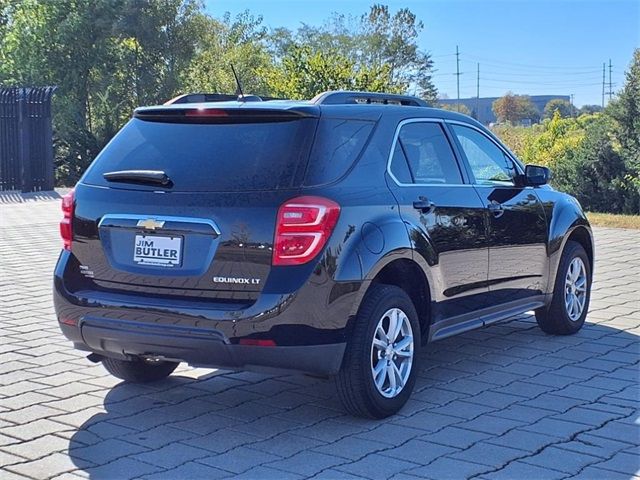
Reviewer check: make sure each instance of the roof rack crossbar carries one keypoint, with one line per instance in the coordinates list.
(363, 98)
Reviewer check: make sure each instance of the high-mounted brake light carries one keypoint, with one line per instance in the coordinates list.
(66, 228)
(206, 112)
(303, 226)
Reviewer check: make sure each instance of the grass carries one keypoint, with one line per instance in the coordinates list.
(614, 220)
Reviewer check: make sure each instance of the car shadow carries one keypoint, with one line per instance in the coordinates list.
(200, 421)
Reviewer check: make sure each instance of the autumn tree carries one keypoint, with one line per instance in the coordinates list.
(515, 108)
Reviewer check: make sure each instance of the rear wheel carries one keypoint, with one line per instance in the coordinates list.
(568, 309)
(139, 370)
(379, 369)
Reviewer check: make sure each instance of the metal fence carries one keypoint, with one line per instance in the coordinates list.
(26, 139)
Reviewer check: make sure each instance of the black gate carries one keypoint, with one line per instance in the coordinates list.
(26, 139)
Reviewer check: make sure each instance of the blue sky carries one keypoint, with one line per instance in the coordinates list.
(525, 46)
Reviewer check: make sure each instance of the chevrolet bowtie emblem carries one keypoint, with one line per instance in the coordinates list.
(150, 223)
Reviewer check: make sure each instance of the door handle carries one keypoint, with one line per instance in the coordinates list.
(496, 208)
(424, 204)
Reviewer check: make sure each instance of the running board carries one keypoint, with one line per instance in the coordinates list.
(482, 320)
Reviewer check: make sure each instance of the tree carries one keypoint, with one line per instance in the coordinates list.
(456, 107)
(564, 108)
(625, 110)
(230, 41)
(595, 173)
(392, 40)
(515, 108)
(105, 56)
(303, 73)
(589, 109)
(376, 41)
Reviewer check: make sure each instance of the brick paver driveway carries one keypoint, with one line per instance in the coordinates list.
(504, 402)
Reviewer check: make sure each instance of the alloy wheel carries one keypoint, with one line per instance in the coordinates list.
(575, 289)
(392, 352)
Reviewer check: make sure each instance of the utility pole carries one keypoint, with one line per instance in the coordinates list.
(478, 94)
(610, 84)
(458, 77)
(572, 107)
(604, 66)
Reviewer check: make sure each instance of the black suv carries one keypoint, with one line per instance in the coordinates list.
(334, 237)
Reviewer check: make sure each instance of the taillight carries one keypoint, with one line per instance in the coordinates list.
(304, 225)
(66, 228)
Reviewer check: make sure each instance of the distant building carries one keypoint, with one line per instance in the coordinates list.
(485, 112)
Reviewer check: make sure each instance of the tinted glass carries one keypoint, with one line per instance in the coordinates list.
(338, 144)
(428, 154)
(488, 163)
(399, 166)
(211, 157)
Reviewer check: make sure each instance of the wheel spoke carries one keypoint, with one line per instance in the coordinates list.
(391, 375)
(574, 306)
(380, 333)
(380, 344)
(393, 319)
(575, 270)
(396, 373)
(404, 343)
(379, 373)
(397, 325)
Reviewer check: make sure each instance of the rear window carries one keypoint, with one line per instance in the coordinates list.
(205, 157)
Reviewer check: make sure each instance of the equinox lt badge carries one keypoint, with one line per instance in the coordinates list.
(237, 280)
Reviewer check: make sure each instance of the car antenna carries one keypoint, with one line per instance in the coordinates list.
(238, 85)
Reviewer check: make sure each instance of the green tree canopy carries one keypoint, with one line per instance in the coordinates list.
(589, 109)
(304, 72)
(564, 108)
(377, 41)
(108, 57)
(453, 107)
(625, 110)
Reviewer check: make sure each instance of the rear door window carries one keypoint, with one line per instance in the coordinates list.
(210, 157)
(423, 155)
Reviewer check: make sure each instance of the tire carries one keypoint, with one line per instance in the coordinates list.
(559, 317)
(355, 382)
(138, 370)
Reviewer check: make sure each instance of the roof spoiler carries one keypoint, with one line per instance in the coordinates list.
(367, 98)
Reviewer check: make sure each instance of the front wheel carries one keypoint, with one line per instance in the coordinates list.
(139, 370)
(379, 369)
(568, 309)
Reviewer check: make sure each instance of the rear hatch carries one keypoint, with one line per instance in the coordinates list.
(183, 201)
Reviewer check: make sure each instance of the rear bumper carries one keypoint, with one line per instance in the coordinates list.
(309, 327)
(120, 339)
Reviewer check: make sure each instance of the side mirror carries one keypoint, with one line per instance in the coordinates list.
(535, 175)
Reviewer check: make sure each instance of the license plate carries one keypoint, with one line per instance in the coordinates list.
(157, 251)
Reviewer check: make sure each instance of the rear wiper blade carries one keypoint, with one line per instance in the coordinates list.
(152, 177)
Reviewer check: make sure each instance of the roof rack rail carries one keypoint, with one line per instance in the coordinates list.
(367, 98)
(215, 97)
